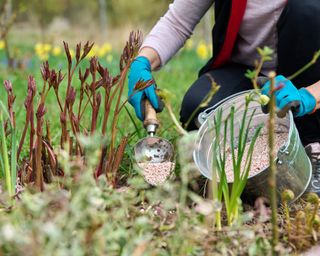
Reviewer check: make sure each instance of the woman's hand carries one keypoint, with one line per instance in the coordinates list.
(140, 70)
(288, 93)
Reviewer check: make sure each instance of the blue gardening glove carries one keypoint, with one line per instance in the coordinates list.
(140, 70)
(288, 94)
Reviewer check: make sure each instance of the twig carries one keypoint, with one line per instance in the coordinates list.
(174, 119)
(272, 157)
(206, 100)
(308, 65)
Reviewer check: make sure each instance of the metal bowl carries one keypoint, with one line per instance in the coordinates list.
(293, 165)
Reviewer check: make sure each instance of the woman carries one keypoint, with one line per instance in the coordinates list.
(290, 27)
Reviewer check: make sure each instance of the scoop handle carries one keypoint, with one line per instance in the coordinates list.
(150, 115)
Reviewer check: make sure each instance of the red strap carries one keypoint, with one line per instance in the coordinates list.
(238, 8)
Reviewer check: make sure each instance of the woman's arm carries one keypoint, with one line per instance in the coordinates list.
(172, 30)
(152, 55)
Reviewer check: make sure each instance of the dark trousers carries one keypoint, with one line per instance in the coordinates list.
(231, 79)
(298, 39)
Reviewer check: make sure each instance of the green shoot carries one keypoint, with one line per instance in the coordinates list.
(9, 173)
(221, 190)
(5, 157)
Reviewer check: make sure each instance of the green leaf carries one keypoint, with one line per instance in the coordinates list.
(13, 159)
(5, 156)
(251, 74)
(133, 122)
(2, 174)
(4, 110)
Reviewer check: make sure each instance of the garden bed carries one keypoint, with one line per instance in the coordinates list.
(79, 192)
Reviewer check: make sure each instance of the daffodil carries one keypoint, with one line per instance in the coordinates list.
(202, 50)
(93, 52)
(42, 50)
(43, 56)
(56, 51)
(38, 47)
(100, 52)
(106, 47)
(47, 47)
(2, 44)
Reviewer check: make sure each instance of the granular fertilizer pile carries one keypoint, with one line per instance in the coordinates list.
(260, 155)
(156, 173)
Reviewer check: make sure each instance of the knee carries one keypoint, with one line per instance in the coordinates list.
(190, 104)
(187, 112)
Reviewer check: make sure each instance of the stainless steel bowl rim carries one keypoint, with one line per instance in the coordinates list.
(213, 110)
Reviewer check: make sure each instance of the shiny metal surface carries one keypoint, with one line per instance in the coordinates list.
(153, 150)
(293, 165)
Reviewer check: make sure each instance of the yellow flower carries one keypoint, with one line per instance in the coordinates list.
(42, 50)
(202, 51)
(43, 56)
(93, 51)
(2, 44)
(100, 52)
(56, 51)
(38, 47)
(104, 49)
(47, 47)
(109, 58)
(107, 47)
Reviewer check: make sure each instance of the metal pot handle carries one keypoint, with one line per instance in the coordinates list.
(202, 117)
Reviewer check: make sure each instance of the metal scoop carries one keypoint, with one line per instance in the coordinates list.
(153, 149)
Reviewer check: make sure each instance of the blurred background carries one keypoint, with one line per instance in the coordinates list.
(33, 31)
(73, 20)
(36, 28)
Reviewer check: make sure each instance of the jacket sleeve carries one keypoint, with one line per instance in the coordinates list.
(175, 27)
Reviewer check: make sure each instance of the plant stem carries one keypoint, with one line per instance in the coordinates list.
(65, 134)
(258, 70)
(94, 101)
(32, 132)
(23, 135)
(218, 220)
(38, 150)
(106, 110)
(84, 108)
(5, 157)
(58, 99)
(272, 157)
(287, 215)
(174, 119)
(308, 65)
(115, 118)
(206, 100)
(13, 159)
(216, 189)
